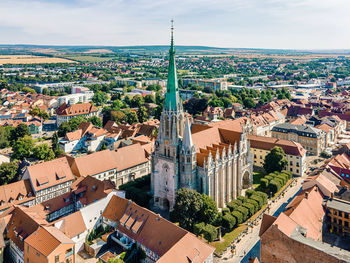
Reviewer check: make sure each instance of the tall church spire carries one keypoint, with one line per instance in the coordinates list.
(172, 98)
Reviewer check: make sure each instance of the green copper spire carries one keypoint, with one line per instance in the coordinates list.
(172, 99)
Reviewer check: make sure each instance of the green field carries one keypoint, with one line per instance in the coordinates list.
(88, 59)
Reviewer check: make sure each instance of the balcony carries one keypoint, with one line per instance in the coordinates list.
(122, 240)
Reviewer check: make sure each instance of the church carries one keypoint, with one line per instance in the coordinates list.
(213, 159)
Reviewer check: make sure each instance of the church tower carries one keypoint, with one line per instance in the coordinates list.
(166, 162)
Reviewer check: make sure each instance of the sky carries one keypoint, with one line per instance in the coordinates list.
(282, 24)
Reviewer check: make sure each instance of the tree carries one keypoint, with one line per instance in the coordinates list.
(100, 98)
(249, 103)
(19, 132)
(209, 211)
(117, 105)
(131, 117)
(5, 134)
(195, 106)
(95, 121)
(118, 116)
(150, 99)
(275, 160)
(70, 126)
(187, 208)
(54, 145)
(22, 148)
(137, 101)
(8, 172)
(142, 114)
(43, 152)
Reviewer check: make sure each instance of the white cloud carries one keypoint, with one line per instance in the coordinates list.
(229, 23)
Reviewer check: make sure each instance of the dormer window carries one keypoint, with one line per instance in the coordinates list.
(93, 188)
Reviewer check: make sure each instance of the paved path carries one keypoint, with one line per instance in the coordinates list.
(249, 240)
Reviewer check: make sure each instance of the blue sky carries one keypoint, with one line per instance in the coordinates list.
(292, 24)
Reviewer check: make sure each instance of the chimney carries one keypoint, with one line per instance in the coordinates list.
(306, 195)
(332, 195)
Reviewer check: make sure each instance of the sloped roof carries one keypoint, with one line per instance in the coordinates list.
(72, 225)
(267, 143)
(47, 239)
(20, 192)
(75, 109)
(50, 173)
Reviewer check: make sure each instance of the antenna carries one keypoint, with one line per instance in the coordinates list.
(172, 31)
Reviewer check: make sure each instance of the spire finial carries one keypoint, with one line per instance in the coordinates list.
(172, 34)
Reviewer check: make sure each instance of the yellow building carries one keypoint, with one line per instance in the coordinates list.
(312, 139)
(260, 146)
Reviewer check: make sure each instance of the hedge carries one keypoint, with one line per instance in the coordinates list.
(249, 192)
(244, 211)
(250, 207)
(225, 211)
(234, 204)
(274, 186)
(262, 195)
(258, 199)
(198, 228)
(264, 183)
(242, 198)
(268, 177)
(228, 221)
(255, 203)
(238, 215)
(210, 232)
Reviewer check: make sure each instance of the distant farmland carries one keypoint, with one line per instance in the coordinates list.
(29, 59)
(88, 58)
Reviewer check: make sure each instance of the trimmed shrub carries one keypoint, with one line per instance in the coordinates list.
(244, 211)
(268, 177)
(228, 221)
(264, 183)
(198, 228)
(250, 207)
(274, 186)
(288, 174)
(238, 215)
(225, 211)
(234, 204)
(283, 178)
(280, 181)
(242, 198)
(258, 199)
(262, 195)
(249, 192)
(255, 203)
(218, 220)
(209, 232)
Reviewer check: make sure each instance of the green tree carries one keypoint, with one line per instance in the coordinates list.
(142, 114)
(209, 211)
(43, 152)
(5, 134)
(187, 208)
(19, 132)
(117, 105)
(95, 121)
(118, 116)
(275, 160)
(229, 221)
(249, 103)
(137, 101)
(54, 145)
(8, 172)
(131, 117)
(22, 148)
(100, 98)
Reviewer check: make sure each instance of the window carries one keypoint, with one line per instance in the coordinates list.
(291, 169)
(297, 170)
(57, 259)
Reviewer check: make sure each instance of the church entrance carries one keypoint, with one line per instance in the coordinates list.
(246, 183)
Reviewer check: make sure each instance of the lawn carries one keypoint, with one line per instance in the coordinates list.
(228, 238)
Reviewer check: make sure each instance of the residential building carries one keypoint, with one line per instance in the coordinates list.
(338, 211)
(121, 166)
(87, 137)
(48, 245)
(65, 112)
(76, 98)
(49, 179)
(296, 235)
(295, 154)
(211, 84)
(17, 193)
(161, 240)
(330, 133)
(213, 159)
(312, 139)
(213, 113)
